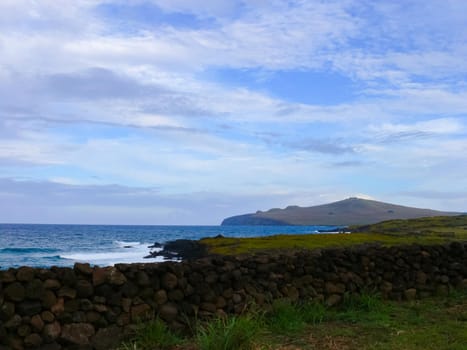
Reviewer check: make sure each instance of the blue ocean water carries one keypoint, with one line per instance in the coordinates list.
(105, 245)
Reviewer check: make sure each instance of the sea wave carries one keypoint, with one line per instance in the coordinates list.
(27, 250)
(124, 244)
(127, 252)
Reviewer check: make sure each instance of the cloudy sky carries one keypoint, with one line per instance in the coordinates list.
(185, 112)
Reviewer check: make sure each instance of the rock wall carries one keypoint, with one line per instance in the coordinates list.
(92, 307)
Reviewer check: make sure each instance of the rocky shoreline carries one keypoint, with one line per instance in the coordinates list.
(180, 249)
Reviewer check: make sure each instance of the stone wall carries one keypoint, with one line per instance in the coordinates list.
(92, 308)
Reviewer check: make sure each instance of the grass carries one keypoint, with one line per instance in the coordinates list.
(286, 317)
(232, 333)
(361, 322)
(434, 230)
(152, 335)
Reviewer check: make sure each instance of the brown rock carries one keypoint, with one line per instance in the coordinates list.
(77, 333)
(176, 295)
(142, 279)
(99, 299)
(386, 287)
(141, 312)
(333, 299)
(7, 310)
(107, 338)
(291, 293)
(14, 292)
(100, 308)
(47, 316)
(123, 319)
(169, 281)
(410, 294)
(83, 268)
(7, 276)
(48, 299)
(221, 303)
(86, 305)
(72, 305)
(23, 330)
(51, 331)
(33, 340)
(13, 323)
(126, 304)
(25, 274)
(115, 277)
(334, 288)
(52, 284)
(35, 289)
(59, 307)
(168, 312)
(99, 276)
(421, 278)
(28, 308)
(209, 307)
(237, 298)
(92, 316)
(37, 323)
(161, 297)
(15, 344)
(67, 292)
(84, 289)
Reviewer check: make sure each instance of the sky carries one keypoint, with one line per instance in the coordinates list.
(187, 112)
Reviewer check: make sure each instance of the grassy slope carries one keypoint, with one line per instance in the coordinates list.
(364, 322)
(431, 230)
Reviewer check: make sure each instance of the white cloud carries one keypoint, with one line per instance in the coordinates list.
(434, 126)
(135, 107)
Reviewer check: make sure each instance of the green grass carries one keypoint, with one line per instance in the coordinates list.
(152, 335)
(232, 333)
(434, 230)
(285, 317)
(361, 322)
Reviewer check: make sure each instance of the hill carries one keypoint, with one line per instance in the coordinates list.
(351, 211)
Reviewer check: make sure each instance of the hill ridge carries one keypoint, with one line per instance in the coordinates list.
(350, 211)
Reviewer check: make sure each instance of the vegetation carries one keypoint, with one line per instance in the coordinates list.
(232, 333)
(433, 230)
(363, 322)
(359, 322)
(152, 335)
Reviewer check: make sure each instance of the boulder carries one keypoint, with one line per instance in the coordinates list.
(25, 274)
(107, 338)
(169, 281)
(51, 331)
(33, 340)
(15, 292)
(77, 333)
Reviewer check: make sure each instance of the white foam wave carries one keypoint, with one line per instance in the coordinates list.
(123, 244)
(127, 252)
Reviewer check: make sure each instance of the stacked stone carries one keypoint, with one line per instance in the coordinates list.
(88, 307)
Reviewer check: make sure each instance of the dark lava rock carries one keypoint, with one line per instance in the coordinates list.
(185, 249)
(155, 245)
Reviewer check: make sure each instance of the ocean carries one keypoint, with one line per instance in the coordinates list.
(106, 245)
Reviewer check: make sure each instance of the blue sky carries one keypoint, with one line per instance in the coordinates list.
(177, 112)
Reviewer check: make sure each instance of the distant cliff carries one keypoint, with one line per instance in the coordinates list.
(351, 211)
